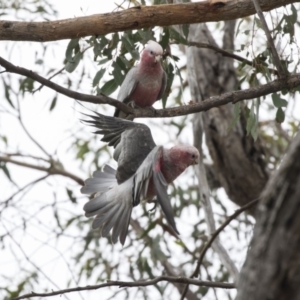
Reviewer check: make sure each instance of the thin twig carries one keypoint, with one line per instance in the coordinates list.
(213, 237)
(126, 284)
(23, 155)
(281, 71)
(52, 170)
(5, 202)
(51, 77)
(27, 258)
(229, 54)
(59, 71)
(217, 232)
(28, 133)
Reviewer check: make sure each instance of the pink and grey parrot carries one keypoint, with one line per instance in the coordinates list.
(145, 83)
(144, 171)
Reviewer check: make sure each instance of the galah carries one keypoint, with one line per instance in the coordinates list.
(144, 171)
(145, 83)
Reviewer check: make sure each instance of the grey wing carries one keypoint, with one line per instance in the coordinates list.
(133, 142)
(133, 149)
(151, 167)
(128, 86)
(110, 127)
(163, 86)
(160, 185)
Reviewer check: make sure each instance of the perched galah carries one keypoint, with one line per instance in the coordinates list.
(144, 171)
(145, 83)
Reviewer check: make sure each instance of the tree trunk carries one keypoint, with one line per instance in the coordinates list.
(272, 267)
(237, 158)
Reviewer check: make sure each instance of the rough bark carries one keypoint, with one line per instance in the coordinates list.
(133, 18)
(272, 267)
(237, 158)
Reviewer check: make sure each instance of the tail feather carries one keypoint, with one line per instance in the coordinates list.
(105, 216)
(112, 204)
(101, 182)
(110, 170)
(103, 175)
(97, 206)
(120, 225)
(124, 229)
(113, 222)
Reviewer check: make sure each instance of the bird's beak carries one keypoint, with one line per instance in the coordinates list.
(157, 58)
(196, 161)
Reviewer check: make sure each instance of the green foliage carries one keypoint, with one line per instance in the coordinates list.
(73, 55)
(252, 119)
(4, 168)
(53, 103)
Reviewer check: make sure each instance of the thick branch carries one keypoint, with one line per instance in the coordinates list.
(289, 83)
(52, 170)
(132, 284)
(133, 18)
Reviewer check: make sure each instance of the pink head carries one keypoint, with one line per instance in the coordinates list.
(177, 159)
(152, 52)
(185, 154)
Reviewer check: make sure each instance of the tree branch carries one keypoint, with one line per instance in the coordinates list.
(290, 82)
(229, 54)
(121, 284)
(52, 170)
(276, 58)
(101, 99)
(133, 18)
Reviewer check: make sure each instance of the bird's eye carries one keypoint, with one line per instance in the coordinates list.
(151, 52)
(193, 156)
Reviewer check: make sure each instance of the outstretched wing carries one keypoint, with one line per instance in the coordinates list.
(133, 142)
(151, 168)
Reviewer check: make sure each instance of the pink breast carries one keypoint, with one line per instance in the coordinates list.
(144, 96)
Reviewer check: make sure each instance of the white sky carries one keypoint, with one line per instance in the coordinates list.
(53, 131)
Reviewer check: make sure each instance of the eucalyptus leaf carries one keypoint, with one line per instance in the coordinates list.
(280, 115)
(109, 87)
(73, 45)
(278, 102)
(53, 103)
(117, 73)
(98, 76)
(72, 65)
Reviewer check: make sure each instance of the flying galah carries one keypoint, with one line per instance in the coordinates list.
(145, 83)
(144, 171)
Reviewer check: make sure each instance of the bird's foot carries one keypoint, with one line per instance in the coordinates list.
(132, 105)
(155, 202)
(152, 110)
